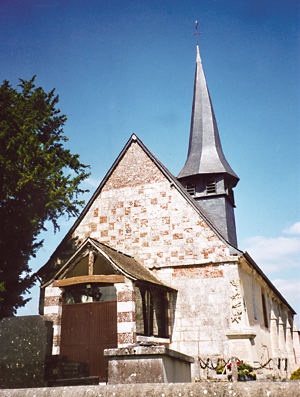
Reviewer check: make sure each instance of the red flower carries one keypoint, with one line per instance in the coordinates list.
(238, 363)
(229, 366)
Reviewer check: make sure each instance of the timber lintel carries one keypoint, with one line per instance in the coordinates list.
(111, 278)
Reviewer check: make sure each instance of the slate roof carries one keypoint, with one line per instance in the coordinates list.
(205, 154)
(129, 265)
(122, 263)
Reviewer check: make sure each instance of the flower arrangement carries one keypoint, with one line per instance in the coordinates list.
(245, 371)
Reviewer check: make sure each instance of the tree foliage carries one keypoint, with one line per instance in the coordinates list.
(39, 182)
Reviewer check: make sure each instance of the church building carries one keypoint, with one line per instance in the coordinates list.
(154, 258)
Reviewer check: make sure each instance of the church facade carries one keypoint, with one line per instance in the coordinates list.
(154, 258)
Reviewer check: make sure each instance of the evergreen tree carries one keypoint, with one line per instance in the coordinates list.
(39, 182)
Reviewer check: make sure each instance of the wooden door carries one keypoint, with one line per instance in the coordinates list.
(86, 330)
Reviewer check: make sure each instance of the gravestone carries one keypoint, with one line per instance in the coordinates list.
(60, 371)
(25, 346)
(59, 367)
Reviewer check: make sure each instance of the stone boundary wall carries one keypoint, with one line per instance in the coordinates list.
(205, 389)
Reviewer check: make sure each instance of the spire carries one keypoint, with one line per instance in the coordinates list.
(206, 175)
(205, 154)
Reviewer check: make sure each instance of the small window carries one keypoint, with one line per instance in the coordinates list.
(191, 189)
(211, 187)
(266, 323)
(151, 311)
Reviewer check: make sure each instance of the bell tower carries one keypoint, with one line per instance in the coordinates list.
(206, 175)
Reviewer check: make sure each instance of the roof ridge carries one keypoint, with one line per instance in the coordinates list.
(111, 248)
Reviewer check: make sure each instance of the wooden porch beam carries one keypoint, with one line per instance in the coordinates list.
(110, 278)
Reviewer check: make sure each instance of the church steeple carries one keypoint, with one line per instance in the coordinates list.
(206, 174)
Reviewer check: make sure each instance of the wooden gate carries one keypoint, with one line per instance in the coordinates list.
(86, 330)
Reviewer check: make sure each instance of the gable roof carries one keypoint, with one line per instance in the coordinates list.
(173, 181)
(122, 263)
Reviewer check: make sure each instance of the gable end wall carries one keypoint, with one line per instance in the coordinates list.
(139, 213)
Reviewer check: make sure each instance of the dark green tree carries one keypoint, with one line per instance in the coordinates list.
(39, 182)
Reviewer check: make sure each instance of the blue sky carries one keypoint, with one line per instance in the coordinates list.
(123, 67)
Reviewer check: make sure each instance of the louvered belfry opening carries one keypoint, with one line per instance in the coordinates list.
(211, 187)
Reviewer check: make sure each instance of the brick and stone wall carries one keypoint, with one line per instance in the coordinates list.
(52, 311)
(126, 325)
(139, 213)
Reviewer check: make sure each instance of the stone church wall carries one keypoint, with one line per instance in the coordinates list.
(139, 213)
(276, 336)
(200, 311)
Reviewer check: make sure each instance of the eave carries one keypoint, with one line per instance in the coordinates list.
(253, 264)
(124, 265)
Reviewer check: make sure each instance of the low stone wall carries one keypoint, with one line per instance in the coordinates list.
(205, 389)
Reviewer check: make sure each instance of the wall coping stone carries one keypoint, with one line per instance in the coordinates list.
(147, 351)
(200, 389)
(152, 339)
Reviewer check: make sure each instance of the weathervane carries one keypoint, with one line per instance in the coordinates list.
(197, 33)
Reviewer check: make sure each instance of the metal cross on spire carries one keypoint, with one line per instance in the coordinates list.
(197, 33)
